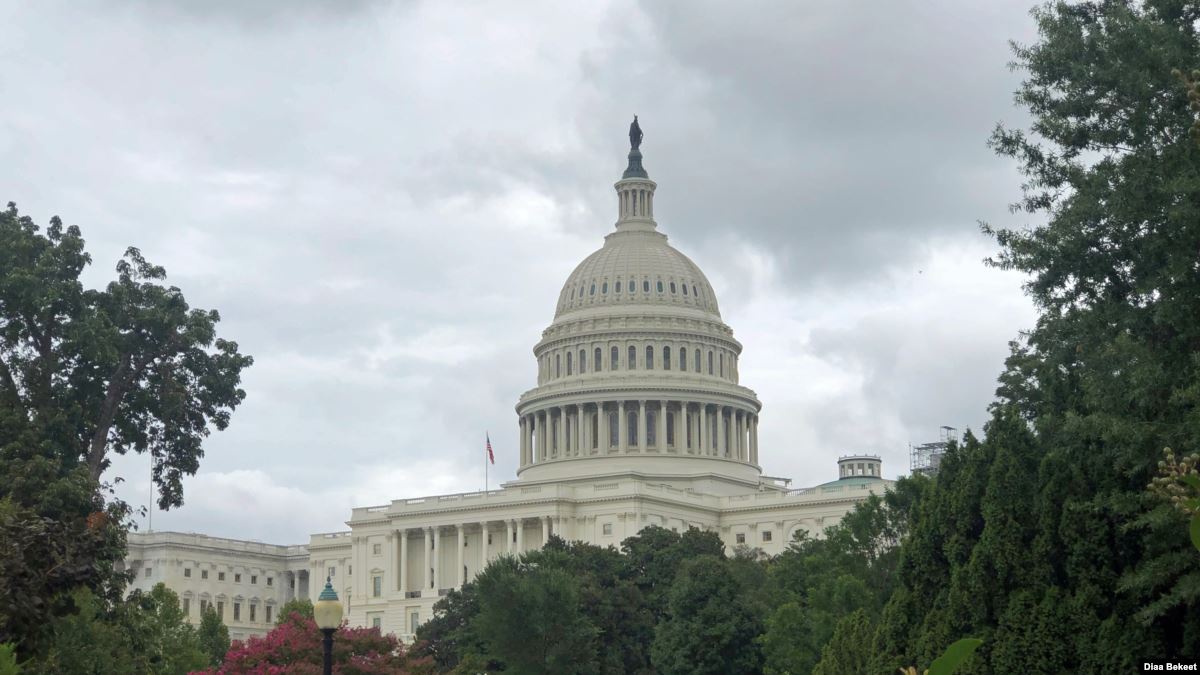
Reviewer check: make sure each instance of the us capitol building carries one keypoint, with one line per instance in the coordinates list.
(638, 418)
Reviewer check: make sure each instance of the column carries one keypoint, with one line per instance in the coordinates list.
(704, 444)
(643, 434)
(622, 431)
(545, 529)
(389, 576)
(662, 426)
(543, 423)
(295, 584)
(403, 582)
(754, 440)
(427, 574)
(680, 420)
(520, 535)
(508, 535)
(720, 451)
(579, 430)
(605, 438)
(562, 432)
(484, 531)
(437, 560)
(524, 439)
(462, 543)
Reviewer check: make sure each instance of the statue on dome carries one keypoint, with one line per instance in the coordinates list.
(635, 134)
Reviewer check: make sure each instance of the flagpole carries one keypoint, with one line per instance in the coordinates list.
(485, 465)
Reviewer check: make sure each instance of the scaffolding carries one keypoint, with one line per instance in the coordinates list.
(927, 457)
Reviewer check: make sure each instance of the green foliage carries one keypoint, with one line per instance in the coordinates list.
(213, 636)
(847, 651)
(301, 606)
(8, 660)
(955, 655)
(708, 627)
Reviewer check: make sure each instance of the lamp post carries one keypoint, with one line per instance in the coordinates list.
(328, 613)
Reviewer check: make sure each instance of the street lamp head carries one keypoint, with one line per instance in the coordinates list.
(328, 609)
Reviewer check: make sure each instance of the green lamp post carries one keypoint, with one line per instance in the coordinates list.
(328, 613)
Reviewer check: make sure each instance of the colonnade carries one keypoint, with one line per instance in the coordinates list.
(616, 427)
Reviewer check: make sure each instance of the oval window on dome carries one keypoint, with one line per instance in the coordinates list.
(593, 289)
(604, 288)
(646, 286)
(660, 286)
(632, 285)
(694, 291)
(672, 287)
(684, 289)
(618, 286)
(572, 293)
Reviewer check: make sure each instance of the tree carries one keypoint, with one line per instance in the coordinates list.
(848, 651)
(294, 646)
(708, 628)
(214, 636)
(301, 606)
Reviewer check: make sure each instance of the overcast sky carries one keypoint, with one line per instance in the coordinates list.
(383, 199)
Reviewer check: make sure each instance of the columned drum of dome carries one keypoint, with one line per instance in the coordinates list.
(638, 373)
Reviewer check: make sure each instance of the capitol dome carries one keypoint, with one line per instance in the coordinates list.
(637, 372)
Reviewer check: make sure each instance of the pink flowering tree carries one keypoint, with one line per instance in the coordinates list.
(294, 647)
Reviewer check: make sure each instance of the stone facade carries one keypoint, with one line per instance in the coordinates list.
(638, 418)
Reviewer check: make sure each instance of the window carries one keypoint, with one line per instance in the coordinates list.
(203, 574)
(710, 363)
(646, 286)
(666, 358)
(604, 288)
(740, 538)
(694, 292)
(237, 578)
(253, 609)
(614, 433)
(558, 365)
(187, 572)
(148, 572)
(632, 364)
(649, 357)
(697, 368)
(651, 427)
(613, 356)
(489, 539)
(596, 360)
(220, 576)
(670, 428)
(766, 535)
(221, 609)
(721, 363)
(683, 358)
(331, 571)
(376, 586)
(582, 361)
(618, 286)
(593, 291)
(608, 528)
(572, 293)
(237, 611)
(672, 288)
(684, 289)
(414, 620)
(377, 622)
(269, 608)
(203, 606)
(632, 425)
(187, 607)
(376, 549)
(659, 286)
(569, 363)
(253, 578)
(270, 581)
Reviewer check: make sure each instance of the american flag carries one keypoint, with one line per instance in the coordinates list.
(491, 457)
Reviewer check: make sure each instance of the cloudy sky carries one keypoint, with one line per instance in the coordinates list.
(384, 198)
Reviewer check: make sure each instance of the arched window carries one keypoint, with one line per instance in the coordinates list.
(683, 358)
(666, 358)
(710, 363)
(671, 428)
(596, 361)
(614, 430)
(595, 426)
(582, 362)
(631, 424)
(557, 365)
(604, 288)
(684, 289)
(568, 363)
(632, 285)
(618, 285)
(660, 285)
(697, 368)
(632, 358)
(649, 357)
(645, 285)
(694, 292)
(721, 364)
(614, 357)
(593, 292)
(672, 287)
(651, 428)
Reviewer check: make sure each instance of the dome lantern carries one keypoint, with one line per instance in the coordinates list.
(635, 190)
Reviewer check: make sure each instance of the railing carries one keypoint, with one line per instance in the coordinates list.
(412, 594)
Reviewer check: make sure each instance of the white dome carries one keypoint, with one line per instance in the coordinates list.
(637, 268)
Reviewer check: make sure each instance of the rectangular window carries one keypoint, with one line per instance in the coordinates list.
(203, 606)
(187, 572)
(220, 576)
(607, 528)
(489, 538)
(632, 358)
(376, 586)
(253, 578)
(376, 549)
(270, 581)
(651, 428)
(766, 535)
(148, 572)
(697, 368)
(740, 538)
(203, 574)
(187, 607)
(252, 612)
(414, 620)
(649, 357)
(269, 608)
(614, 434)
(671, 428)
(666, 358)
(615, 354)
(377, 622)
(710, 363)
(237, 611)
(237, 578)
(221, 609)
(331, 571)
